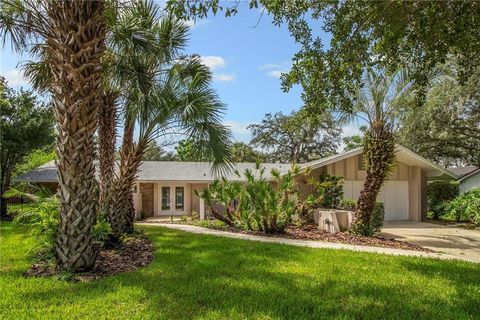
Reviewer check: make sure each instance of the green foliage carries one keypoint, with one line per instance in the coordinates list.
(299, 137)
(390, 34)
(156, 153)
(35, 159)
(355, 141)
(465, 207)
(376, 221)
(445, 126)
(258, 204)
(242, 152)
(439, 193)
(327, 193)
(26, 125)
(42, 215)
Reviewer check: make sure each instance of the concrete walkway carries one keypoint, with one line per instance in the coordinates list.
(304, 243)
(450, 239)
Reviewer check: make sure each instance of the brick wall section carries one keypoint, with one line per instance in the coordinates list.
(147, 198)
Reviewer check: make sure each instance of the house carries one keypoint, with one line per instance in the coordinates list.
(469, 177)
(168, 188)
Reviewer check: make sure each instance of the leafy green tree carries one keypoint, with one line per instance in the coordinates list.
(355, 141)
(26, 125)
(388, 34)
(35, 159)
(298, 137)
(445, 128)
(157, 153)
(243, 152)
(186, 151)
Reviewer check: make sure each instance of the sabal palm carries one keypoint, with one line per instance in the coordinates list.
(378, 103)
(168, 94)
(70, 34)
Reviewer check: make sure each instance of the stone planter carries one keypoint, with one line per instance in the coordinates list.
(333, 220)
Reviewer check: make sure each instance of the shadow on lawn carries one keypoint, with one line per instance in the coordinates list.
(196, 276)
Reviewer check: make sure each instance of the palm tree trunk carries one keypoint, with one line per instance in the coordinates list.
(379, 156)
(107, 134)
(76, 45)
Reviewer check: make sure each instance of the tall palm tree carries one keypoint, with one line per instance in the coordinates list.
(378, 103)
(177, 99)
(71, 35)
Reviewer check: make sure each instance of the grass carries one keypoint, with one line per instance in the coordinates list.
(207, 277)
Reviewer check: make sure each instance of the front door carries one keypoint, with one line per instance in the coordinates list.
(172, 200)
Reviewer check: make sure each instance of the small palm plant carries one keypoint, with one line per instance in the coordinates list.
(258, 204)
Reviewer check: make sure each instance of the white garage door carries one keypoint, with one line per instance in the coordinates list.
(394, 195)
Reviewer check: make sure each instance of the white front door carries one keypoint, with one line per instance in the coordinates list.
(172, 199)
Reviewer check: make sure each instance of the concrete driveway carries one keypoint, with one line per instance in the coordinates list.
(453, 240)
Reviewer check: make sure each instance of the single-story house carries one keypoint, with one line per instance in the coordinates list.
(166, 188)
(468, 177)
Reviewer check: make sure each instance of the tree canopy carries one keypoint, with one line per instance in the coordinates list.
(26, 125)
(297, 137)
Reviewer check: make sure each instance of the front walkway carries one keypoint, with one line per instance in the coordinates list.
(304, 243)
(453, 240)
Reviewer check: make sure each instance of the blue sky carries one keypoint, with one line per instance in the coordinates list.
(246, 59)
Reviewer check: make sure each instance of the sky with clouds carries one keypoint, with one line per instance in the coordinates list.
(246, 54)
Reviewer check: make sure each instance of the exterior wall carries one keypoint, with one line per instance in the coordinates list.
(470, 183)
(147, 191)
(194, 199)
(349, 169)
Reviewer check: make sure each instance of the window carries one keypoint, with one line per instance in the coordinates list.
(179, 198)
(361, 162)
(165, 198)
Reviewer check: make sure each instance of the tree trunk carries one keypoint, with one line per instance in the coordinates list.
(379, 157)
(122, 213)
(76, 45)
(107, 134)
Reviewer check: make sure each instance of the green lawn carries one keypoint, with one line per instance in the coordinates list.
(206, 277)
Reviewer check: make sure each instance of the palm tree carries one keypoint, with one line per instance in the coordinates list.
(71, 35)
(177, 99)
(378, 103)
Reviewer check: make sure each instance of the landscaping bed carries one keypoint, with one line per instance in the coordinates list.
(310, 232)
(136, 252)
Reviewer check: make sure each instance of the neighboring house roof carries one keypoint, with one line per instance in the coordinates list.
(165, 171)
(463, 171)
(469, 175)
(202, 171)
(404, 155)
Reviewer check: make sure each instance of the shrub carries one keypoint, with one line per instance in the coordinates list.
(466, 207)
(328, 192)
(439, 193)
(258, 204)
(42, 215)
(378, 216)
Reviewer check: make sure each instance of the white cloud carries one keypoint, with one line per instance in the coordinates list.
(224, 77)
(275, 73)
(196, 23)
(237, 127)
(274, 70)
(213, 62)
(15, 77)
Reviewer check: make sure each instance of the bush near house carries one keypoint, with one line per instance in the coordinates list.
(378, 216)
(465, 207)
(439, 193)
(257, 204)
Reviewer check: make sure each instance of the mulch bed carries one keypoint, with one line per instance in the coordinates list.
(135, 253)
(311, 232)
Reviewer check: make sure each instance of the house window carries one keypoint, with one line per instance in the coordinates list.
(179, 198)
(361, 162)
(165, 198)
